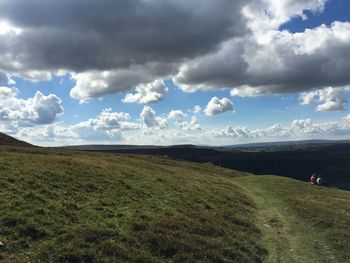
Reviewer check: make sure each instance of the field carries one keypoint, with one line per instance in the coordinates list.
(66, 206)
(78, 207)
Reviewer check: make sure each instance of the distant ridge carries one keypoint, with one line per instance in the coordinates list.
(8, 140)
(286, 143)
(259, 146)
(294, 159)
(111, 147)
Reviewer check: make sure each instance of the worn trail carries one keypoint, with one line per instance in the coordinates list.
(286, 236)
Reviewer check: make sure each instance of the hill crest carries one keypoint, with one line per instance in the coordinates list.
(8, 140)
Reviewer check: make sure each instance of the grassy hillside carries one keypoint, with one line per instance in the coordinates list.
(83, 207)
(65, 206)
(301, 222)
(331, 161)
(8, 140)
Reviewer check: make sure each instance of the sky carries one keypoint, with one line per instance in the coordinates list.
(169, 72)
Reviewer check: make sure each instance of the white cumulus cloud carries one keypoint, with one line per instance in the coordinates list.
(191, 125)
(216, 106)
(150, 120)
(197, 109)
(40, 109)
(296, 130)
(108, 125)
(178, 115)
(148, 93)
(328, 99)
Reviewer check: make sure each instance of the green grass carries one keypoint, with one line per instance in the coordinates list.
(301, 222)
(65, 206)
(62, 206)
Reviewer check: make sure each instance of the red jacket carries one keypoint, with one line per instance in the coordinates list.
(313, 179)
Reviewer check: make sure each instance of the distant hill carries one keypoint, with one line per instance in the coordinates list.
(8, 140)
(267, 144)
(284, 145)
(260, 146)
(111, 147)
(296, 160)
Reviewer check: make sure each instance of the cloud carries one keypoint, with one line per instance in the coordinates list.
(107, 125)
(45, 109)
(130, 47)
(270, 14)
(298, 129)
(233, 132)
(246, 91)
(107, 130)
(4, 79)
(316, 58)
(328, 99)
(111, 36)
(123, 45)
(150, 120)
(197, 109)
(7, 93)
(48, 134)
(164, 137)
(307, 98)
(109, 121)
(94, 84)
(38, 110)
(192, 125)
(6, 28)
(216, 106)
(149, 93)
(178, 115)
(218, 69)
(295, 130)
(119, 33)
(305, 126)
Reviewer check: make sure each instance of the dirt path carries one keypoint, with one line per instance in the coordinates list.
(286, 237)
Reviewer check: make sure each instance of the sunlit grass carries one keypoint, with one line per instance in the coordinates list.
(81, 207)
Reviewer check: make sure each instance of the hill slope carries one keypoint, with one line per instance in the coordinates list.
(8, 140)
(65, 206)
(330, 160)
(300, 222)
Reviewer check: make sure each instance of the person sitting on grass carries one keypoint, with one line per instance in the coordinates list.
(320, 181)
(313, 179)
